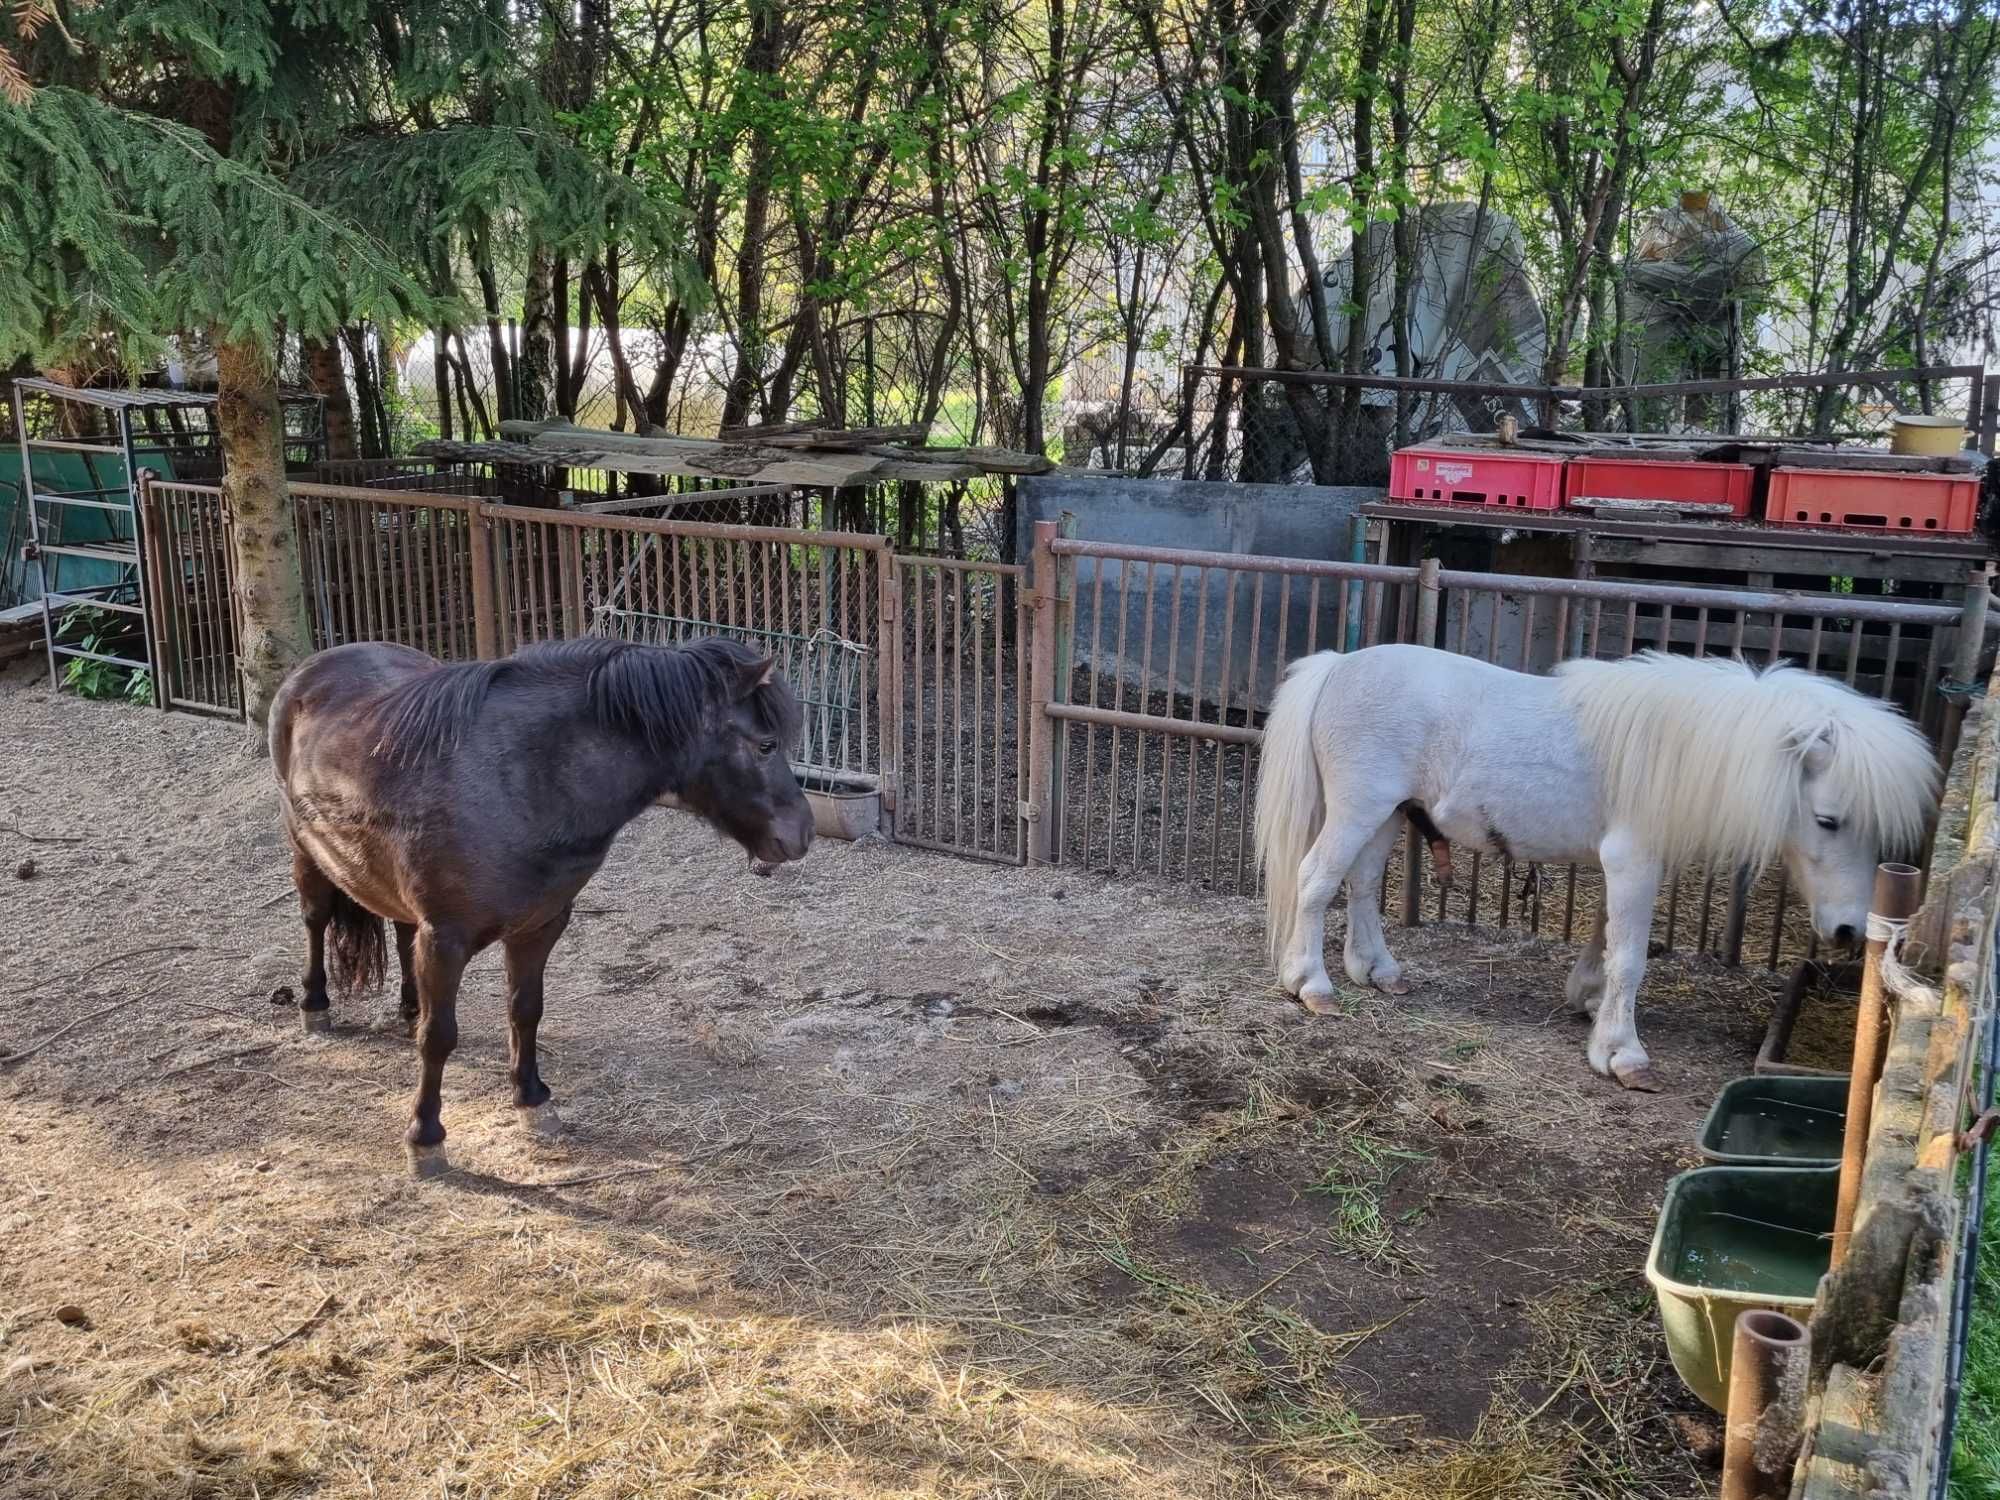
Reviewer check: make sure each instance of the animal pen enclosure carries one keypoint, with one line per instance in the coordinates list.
(1098, 705)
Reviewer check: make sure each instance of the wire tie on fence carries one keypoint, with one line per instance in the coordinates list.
(1897, 977)
(1947, 688)
(1982, 1129)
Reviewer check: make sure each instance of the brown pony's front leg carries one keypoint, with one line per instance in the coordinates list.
(527, 958)
(316, 895)
(441, 958)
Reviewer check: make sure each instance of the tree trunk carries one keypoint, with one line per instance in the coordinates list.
(323, 370)
(275, 635)
(496, 342)
(535, 371)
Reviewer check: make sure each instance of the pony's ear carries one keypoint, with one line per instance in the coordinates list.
(754, 674)
(1816, 754)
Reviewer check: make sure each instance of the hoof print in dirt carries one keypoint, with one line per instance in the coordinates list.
(542, 1122)
(72, 1316)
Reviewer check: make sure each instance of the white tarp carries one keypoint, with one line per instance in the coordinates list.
(1473, 311)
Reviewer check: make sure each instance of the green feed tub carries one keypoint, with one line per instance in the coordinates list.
(1776, 1122)
(1730, 1239)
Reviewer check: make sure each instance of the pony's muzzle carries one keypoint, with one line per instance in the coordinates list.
(783, 844)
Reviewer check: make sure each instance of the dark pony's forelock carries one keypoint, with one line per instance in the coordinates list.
(660, 695)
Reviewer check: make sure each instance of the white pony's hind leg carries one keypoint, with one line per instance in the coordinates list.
(1367, 954)
(1326, 864)
(1585, 986)
(1631, 885)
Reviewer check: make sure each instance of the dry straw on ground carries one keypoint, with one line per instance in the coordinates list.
(893, 1175)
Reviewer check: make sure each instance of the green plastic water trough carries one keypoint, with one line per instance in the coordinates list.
(1776, 1122)
(1730, 1239)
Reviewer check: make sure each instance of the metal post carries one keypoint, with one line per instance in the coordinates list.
(154, 663)
(1965, 658)
(1041, 686)
(153, 560)
(1739, 912)
(1426, 635)
(1897, 890)
(485, 627)
(1767, 1385)
(46, 567)
(1357, 551)
(889, 698)
(1063, 621)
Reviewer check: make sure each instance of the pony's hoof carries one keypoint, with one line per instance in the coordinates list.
(1396, 986)
(542, 1120)
(316, 1022)
(1641, 1080)
(1318, 998)
(427, 1161)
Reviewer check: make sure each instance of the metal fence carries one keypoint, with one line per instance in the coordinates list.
(959, 628)
(1101, 706)
(1160, 664)
(462, 579)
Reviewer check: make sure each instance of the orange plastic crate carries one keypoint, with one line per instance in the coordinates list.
(1474, 476)
(1938, 503)
(1659, 479)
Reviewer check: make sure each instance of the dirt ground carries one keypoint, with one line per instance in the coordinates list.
(892, 1175)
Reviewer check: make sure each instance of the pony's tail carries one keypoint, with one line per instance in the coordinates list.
(1291, 803)
(356, 952)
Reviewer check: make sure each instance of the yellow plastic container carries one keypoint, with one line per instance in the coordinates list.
(1927, 437)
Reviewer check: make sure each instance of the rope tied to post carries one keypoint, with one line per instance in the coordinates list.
(1897, 977)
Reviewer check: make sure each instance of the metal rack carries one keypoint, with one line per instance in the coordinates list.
(82, 452)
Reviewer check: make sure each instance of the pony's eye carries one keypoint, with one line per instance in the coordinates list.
(1831, 825)
(766, 747)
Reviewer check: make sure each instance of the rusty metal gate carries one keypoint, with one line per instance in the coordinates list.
(1152, 669)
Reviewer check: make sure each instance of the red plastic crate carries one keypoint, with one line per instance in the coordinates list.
(1939, 503)
(1474, 476)
(1659, 479)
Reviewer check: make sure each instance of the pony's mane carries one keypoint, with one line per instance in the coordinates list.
(658, 695)
(1702, 756)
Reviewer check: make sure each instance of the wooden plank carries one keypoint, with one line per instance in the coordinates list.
(710, 457)
(1800, 560)
(1868, 461)
(1642, 509)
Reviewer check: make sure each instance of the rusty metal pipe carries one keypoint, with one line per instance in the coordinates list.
(1897, 889)
(1767, 1379)
(1621, 591)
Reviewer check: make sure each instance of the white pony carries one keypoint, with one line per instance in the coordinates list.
(1639, 766)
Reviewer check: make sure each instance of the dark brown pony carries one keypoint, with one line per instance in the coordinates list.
(469, 803)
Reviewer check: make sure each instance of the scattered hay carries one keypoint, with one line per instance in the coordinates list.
(891, 1176)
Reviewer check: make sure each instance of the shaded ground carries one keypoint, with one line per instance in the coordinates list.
(893, 1175)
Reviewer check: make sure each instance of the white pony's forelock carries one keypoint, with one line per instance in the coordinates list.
(1702, 757)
